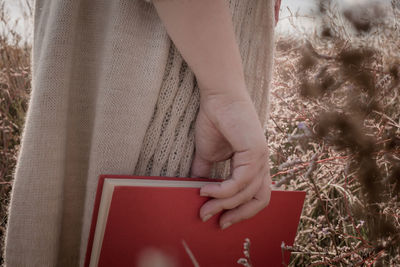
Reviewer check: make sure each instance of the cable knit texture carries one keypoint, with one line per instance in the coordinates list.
(111, 94)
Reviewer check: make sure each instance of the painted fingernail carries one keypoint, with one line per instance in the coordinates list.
(226, 225)
(205, 218)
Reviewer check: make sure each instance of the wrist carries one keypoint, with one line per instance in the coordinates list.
(223, 91)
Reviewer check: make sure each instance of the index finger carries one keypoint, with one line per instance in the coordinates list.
(241, 177)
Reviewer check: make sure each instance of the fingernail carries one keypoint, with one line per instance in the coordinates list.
(226, 225)
(203, 194)
(205, 218)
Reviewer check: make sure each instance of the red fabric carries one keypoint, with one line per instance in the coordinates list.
(277, 7)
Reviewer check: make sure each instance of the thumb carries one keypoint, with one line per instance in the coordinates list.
(200, 167)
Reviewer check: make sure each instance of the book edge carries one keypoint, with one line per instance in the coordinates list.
(120, 181)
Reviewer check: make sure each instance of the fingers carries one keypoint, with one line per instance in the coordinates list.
(248, 209)
(246, 166)
(200, 167)
(216, 205)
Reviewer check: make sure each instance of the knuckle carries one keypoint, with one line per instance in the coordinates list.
(234, 188)
(247, 198)
(224, 190)
(234, 202)
(266, 200)
(263, 198)
(244, 199)
(265, 203)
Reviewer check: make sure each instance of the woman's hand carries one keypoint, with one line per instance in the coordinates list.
(227, 126)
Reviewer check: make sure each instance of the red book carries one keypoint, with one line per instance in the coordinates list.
(138, 219)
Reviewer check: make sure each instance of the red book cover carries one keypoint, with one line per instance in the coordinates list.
(165, 219)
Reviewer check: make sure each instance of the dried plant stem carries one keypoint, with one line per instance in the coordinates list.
(308, 175)
(365, 242)
(306, 164)
(190, 254)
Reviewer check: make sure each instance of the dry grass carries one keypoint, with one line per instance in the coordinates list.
(15, 86)
(334, 132)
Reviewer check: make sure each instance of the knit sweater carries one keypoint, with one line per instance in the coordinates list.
(111, 94)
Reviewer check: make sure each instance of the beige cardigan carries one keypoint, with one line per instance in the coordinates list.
(110, 95)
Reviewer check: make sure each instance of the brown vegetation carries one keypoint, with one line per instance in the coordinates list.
(15, 86)
(334, 132)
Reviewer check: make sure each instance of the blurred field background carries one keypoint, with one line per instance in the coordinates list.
(334, 127)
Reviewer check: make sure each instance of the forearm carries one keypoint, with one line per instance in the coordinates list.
(203, 33)
(227, 125)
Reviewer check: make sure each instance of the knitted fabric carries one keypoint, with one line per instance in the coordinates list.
(110, 95)
(170, 155)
